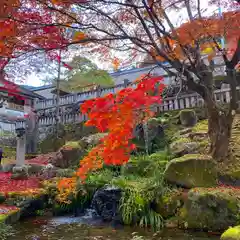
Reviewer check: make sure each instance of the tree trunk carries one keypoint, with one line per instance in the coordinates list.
(219, 130)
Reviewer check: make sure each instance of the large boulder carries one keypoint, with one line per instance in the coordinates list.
(191, 170)
(92, 140)
(106, 203)
(212, 209)
(69, 155)
(233, 233)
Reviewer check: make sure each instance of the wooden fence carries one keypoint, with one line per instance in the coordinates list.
(78, 97)
(168, 104)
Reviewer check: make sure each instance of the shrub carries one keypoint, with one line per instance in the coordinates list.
(143, 165)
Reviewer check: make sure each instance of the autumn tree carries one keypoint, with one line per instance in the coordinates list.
(191, 46)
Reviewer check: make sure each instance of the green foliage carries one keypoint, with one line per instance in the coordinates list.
(6, 231)
(83, 74)
(51, 144)
(143, 165)
(68, 133)
(135, 204)
(74, 132)
(201, 126)
(99, 178)
(9, 152)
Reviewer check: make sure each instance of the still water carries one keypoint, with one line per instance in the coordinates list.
(87, 228)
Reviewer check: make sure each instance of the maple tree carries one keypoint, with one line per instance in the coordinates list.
(118, 114)
(191, 49)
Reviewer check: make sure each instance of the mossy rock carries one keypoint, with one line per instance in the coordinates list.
(233, 233)
(183, 146)
(168, 204)
(212, 209)
(68, 155)
(230, 176)
(188, 117)
(192, 170)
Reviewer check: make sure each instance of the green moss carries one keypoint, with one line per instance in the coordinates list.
(72, 144)
(232, 233)
(204, 143)
(234, 173)
(201, 126)
(182, 140)
(211, 208)
(169, 203)
(3, 217)
(191, 170)
(192, 156)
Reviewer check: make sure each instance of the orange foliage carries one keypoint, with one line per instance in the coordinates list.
(116, 63)
(118, 114)
(78, 36)
(203, 31)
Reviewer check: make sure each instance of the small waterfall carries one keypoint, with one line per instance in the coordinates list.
(89, 217)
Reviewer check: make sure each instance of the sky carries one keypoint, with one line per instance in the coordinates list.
(35, 80)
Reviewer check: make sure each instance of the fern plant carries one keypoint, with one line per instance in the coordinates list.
(135, 203)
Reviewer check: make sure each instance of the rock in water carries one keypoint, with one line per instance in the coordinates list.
(191, 170)
(106, 203)
(212, 209)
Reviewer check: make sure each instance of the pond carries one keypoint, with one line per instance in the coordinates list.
(87, 228)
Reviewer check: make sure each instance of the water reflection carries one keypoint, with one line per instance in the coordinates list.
(87, 228)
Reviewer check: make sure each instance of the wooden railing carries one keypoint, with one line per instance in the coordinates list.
(168, 104)
(78, 97)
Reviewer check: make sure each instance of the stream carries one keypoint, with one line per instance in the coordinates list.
(88, 228)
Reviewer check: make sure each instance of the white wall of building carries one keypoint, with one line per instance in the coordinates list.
(132, 74)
